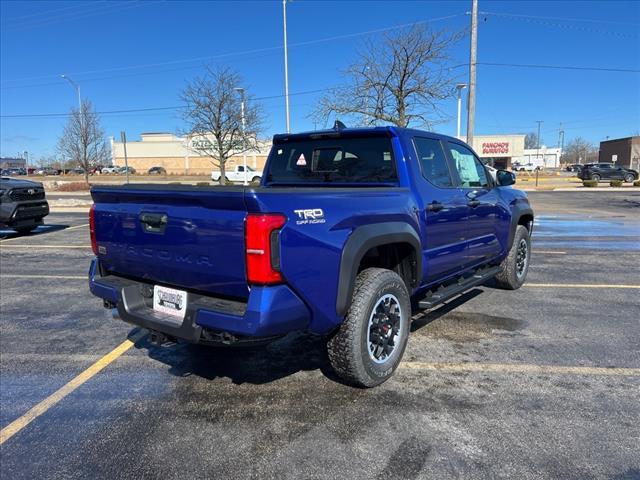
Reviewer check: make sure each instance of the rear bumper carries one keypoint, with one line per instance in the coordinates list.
(269, 312)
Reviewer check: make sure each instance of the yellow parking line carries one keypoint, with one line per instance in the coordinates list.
(578, 285)
(48, 234)
(521, 368)
(14, 427)
(2, 247)
(67, 277)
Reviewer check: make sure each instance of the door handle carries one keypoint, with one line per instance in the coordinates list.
(153, 222)
(434, 206)
(473, 203)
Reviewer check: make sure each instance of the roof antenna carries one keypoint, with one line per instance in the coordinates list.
(338, 125)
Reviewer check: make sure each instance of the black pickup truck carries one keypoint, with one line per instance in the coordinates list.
(22, 204)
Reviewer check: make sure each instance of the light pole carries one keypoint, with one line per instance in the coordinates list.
(240, 90)
(80, 113)
(459, 87)
(471, 103)
(77, 87)
(286, 65)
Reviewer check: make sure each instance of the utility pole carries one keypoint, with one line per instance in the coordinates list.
(471, 104)
(539, 122)
(561, 141)
(459, 87)
(123, 138)
(286, 65)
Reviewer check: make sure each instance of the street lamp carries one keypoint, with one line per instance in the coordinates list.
(286, 64)
(77, 87)
(459, 87)
(240, 90)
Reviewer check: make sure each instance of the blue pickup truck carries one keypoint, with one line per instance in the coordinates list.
(350, 231)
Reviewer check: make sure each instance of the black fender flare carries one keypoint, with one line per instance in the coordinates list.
(359, 242)
(518, 212)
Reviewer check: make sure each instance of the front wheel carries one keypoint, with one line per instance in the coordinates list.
(515, 266)
(369, 345)
(629, 178)
(595, 177)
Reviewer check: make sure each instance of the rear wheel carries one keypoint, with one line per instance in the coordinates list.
(595, 177)
(515, 266)
(369, 345)
(629, 178)
(255, 179)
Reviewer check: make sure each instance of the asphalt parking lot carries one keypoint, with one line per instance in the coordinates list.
(543, 382)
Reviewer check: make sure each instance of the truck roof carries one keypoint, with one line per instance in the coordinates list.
(391, 131)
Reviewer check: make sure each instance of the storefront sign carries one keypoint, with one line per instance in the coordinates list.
(492, 148)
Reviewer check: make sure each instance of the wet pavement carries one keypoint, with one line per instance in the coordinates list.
(279, 412)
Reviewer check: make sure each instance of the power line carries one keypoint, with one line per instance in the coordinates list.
(536, 17)
(71, 16)
(245, 52)
(54, 10)
(151, 109)
(562, 67)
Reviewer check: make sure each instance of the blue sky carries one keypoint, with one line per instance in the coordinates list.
(136, 54)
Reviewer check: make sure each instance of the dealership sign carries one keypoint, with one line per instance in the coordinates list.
(495, 147)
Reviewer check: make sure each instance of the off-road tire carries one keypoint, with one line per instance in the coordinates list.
(348, 348)
(508, 277)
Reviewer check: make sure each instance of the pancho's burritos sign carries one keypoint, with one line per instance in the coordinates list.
(491, 148)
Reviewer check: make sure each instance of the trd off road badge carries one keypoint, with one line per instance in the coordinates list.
(309, 216)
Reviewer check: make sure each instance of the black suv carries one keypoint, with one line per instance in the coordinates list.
(606, 171)
(22, 204)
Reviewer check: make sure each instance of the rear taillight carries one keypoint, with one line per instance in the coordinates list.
(92, 229)
(263, 248)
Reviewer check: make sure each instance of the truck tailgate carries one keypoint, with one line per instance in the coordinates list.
(179, 235)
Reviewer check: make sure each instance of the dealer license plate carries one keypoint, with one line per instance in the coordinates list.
(170, 301)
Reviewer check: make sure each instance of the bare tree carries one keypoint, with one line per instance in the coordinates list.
(213, 116)
(531, 140)
(400, 80)
(579, 150)
(83, 141)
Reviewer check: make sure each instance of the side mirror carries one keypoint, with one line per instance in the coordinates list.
(505, 178)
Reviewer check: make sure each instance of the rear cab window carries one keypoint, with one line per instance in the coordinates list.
(433, 161)
(332, 161)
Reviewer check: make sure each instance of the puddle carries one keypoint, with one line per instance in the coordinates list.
(586, 233)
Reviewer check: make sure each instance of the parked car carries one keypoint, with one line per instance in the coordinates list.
(123, 170)
(22, 204)
(96, 169)
(607, 171)
(109, 170)
(348, 230)
(574, 167)
(48, 171)
(525, 167)
(4, 172)
(14, 172)
(237, 175)
(157, 171)
(77, 171)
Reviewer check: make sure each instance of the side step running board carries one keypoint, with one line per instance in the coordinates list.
(447, 293)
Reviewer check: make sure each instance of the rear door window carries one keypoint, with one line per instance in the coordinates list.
(433, 161)
(333, 160)
(470, 170)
